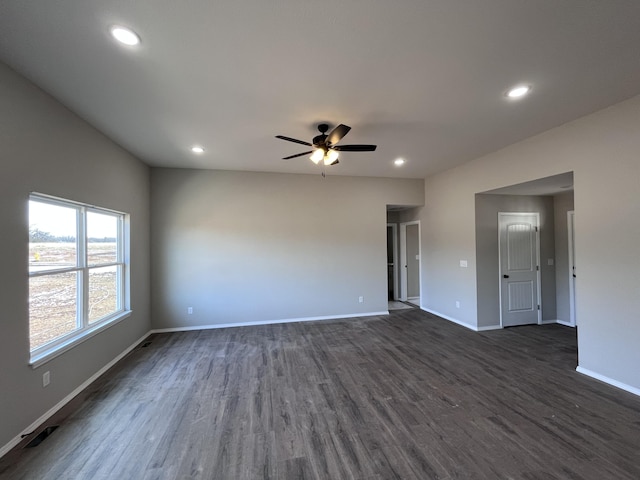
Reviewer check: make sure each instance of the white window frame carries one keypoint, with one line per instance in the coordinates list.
(85, 330)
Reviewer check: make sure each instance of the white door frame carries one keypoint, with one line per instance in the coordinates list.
(539, 289)
(572, 267)
(403, 259)
(394, 241)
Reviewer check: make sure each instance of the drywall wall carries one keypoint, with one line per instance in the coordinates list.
(487, 251)
(562, 204)
(45, 148)
(243, 247)
(602, 151)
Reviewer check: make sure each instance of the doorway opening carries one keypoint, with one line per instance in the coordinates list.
(552, 197)
(403, 257)
(410, 262)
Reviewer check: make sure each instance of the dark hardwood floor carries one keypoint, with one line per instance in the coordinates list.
(404, 396)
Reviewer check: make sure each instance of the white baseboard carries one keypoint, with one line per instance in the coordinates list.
(610, 381)
(565, 323)
(266, 322)
(486, 328)
(451, 319)
(43, 418)
(546, 322)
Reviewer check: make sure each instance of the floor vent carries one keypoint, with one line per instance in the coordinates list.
(41, 436)
(145, 344)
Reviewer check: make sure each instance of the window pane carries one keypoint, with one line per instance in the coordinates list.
(52, 307)
(103, 292)
(102, 234)
(52, 236)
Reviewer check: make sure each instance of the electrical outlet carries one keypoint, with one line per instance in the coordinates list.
(360, 299)
(457, 304)
(463, 263)
(46, 378)
(190, 310)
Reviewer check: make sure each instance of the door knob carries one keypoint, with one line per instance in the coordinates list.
(505, 276)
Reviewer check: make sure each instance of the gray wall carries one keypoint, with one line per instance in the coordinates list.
(561, 205)
(602, 151)
(487, 261)
(253, 247)
(45, 148)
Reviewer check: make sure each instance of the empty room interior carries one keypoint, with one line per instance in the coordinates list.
(336, 240)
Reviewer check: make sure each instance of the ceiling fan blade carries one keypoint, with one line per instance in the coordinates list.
(335, 162)
(289, 139)
(355, 148)
(297, 155)
(337, 133)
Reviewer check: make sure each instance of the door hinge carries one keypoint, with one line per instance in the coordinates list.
(536, 229)
(537, 268)
(538, 307)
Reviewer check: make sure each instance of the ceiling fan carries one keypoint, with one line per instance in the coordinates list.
(324, 146)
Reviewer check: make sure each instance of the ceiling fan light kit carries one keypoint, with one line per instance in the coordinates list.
(317, 155)
(324, 146)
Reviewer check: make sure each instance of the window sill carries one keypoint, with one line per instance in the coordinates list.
(45, 356)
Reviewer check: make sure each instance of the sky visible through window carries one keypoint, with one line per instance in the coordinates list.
(61, 221)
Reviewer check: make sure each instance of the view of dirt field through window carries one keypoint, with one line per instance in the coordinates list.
(53, 298)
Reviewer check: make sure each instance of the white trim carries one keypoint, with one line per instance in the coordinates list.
(266, 322)
(464, 324)
(538, 271)
(610, 381)
(451, 319)
(489, 327)
(394, 242)
(404, 279)
(565, 323)
(572, 286)
(402, 273)
(43, 418)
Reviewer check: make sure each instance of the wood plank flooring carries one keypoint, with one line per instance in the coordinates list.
(404, 396)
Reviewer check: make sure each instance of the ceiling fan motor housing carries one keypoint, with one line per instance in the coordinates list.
(319, 141)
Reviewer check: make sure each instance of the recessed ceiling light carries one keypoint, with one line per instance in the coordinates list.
(197, 149)
(125, 35)
(398, 161)
(519, 91)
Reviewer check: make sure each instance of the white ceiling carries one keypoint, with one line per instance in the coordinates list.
(423, 79)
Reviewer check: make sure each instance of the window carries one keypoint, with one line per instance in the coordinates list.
(77, 273)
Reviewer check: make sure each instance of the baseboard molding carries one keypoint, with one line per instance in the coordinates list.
(610, 381)
(565, 323)
(266, 322)
(451, 319)
(546, 322)
(486, 328)
(43, 418)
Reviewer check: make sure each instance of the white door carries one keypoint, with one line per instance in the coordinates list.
(572, 268)
(519, 268)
